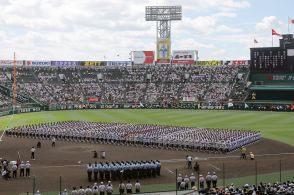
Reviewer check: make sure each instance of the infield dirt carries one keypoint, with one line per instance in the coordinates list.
(68, 160)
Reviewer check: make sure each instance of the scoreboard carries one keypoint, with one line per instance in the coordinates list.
(269, 59)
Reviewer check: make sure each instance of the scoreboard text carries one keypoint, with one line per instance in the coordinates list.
(271, 59)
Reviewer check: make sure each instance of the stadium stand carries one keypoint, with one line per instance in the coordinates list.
(148, 83)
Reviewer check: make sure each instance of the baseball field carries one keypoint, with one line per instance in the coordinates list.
(274, 153)
(278, 126)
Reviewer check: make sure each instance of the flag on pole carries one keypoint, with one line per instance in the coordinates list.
(275, 33)
(255, 41)
(291, 21)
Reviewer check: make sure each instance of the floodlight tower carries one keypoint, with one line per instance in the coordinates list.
(163, 15)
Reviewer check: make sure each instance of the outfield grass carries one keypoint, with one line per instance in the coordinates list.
(274, 125)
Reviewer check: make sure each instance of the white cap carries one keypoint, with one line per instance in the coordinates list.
(101, 182)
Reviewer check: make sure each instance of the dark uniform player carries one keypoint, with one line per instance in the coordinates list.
(121, 188)
(39, 144)
(196, 166)
(14, 170)
(21, 169)
(129, 187)
(189, 161)
(95, 170)
(53, 140)
(28, 169)
(95, 155)
(208, 180)
(33, 149)
(243, 153)
(214, 180)
(201, 182)
(193, 180)
(89, 172)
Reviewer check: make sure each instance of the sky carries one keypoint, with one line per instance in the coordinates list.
(111, 29)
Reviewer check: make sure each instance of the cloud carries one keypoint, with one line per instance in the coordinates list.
(192, 44)
(268, 23)
(92, 29)
(220, 52)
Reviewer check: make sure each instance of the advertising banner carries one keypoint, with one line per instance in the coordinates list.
(209, 63)
(143, 57)
(236, 62)
(184, 56)
(163, 50)
(11, 62)
(94, 99)
(118, 63)
(37, 63)
(223, 62)
(189, 99)
(65, 63)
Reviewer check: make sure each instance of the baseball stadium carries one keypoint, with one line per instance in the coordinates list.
(162, 122)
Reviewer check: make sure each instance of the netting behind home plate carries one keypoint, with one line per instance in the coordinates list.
(189, 138)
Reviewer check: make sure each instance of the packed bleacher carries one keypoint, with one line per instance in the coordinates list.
(153, 136)
(145, 83)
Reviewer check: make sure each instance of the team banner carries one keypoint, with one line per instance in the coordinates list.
(163, 51)
(93, 63)
(37, 63)
(65, 63)
(11, 62)
(143, 57)
(184, 56)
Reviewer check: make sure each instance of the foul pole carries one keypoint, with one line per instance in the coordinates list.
(14, 83)
(14, 93)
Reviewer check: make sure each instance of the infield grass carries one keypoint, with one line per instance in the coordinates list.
(273, 125)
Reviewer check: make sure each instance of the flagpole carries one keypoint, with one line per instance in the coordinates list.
(288, 25)
(272, 41)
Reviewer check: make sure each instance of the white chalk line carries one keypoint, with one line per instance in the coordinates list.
(169, 170)
(5, 128)
(215, 167)
(171, 161)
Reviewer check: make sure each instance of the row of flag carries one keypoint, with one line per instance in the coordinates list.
(274, 32)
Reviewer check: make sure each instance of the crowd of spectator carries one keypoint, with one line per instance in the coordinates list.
(148, 83)
(183, 138)
(277, 188)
